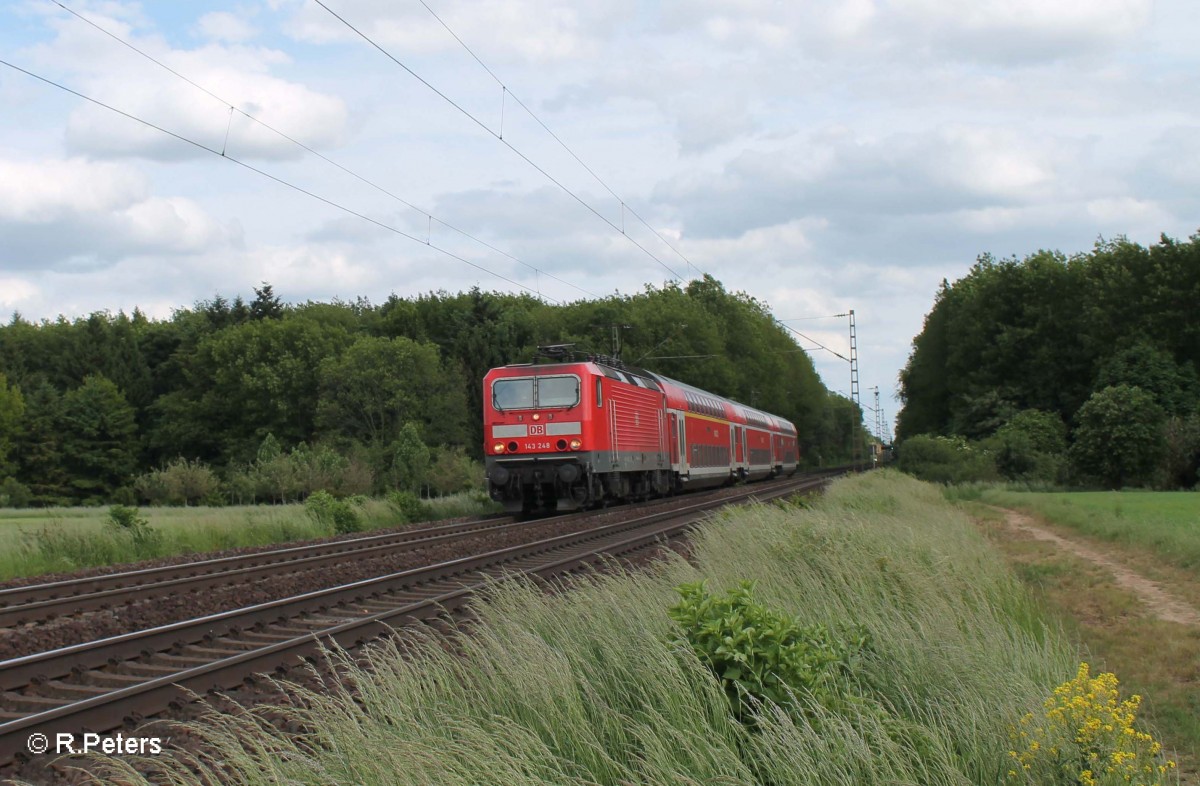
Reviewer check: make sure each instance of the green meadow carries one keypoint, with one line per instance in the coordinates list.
(1168, 522)
(51, 540)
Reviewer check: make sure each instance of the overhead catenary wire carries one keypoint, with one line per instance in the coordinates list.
(813, 340)
(506, 91)
(500, 137)
(268, 175)
(232, 109)
(826, 316)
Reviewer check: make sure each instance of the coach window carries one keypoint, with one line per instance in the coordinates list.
(599, 393)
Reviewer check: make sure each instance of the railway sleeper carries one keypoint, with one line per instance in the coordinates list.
(86, 690)
(100, 677)
(271, 637)
(11, 699)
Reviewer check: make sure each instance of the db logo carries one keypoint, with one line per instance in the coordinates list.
(537, 430)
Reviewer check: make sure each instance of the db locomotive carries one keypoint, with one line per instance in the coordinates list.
(562, 436)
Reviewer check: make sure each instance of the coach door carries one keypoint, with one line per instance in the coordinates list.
(674, 438)
(681, 442)
(612, 430)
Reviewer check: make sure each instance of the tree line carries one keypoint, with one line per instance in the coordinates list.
(251, 401)
(1079, 369)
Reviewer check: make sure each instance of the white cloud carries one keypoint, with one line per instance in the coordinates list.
(16, 292)
(237, 74)
(533, 31)
(836, 173)
(225, 26)
(1008, 31)
(74, 211)
(45, 191)
(1015, 30)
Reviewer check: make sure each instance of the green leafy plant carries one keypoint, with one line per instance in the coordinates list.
(329, 511)
(409, 506)
(127, 521)
(758, 654)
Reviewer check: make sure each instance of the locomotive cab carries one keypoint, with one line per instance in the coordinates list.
(534, 436)
(564, 436)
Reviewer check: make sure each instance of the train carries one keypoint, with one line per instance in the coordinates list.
(571, 434)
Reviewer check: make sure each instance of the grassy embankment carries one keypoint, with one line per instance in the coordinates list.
(35, 541)
(1157, 535)
(592, 686)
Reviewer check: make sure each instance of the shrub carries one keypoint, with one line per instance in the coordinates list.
(335, 514)
(453, 471)
(126, 521)
(760, 654)
(945, 459)
(1030, 447)
(180, 482)
(408, 506)
(14, 494)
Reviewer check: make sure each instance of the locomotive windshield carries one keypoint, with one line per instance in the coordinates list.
(557, 391)
(532, 392)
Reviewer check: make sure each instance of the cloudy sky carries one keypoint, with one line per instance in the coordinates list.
(821, 155)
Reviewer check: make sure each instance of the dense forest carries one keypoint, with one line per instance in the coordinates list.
(1078, 369)
(239, 401)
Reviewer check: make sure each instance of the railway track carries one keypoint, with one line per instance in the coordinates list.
(109, 683)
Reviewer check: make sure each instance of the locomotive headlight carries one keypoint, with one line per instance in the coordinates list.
(536, 417)
(576, 444)
(498, 447)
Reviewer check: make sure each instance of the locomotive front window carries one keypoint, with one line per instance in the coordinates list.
(557, 391)
(512, 394)
(536, 392)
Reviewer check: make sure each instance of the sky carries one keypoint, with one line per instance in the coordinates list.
(820, 155)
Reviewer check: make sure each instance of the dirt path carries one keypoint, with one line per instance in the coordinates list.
(1161, 603)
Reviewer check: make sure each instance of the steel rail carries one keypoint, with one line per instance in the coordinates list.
(447, 586)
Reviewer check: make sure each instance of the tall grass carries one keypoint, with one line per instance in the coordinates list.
(54, 540)
(592, 686)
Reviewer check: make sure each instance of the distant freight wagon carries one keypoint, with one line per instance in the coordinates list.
(569, 435)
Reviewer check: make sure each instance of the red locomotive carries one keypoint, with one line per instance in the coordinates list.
(569, 435)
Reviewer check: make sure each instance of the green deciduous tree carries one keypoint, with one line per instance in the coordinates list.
(250, 380)
(1155, 371)
(377, 385)
(410, 459)
(1118, 436)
